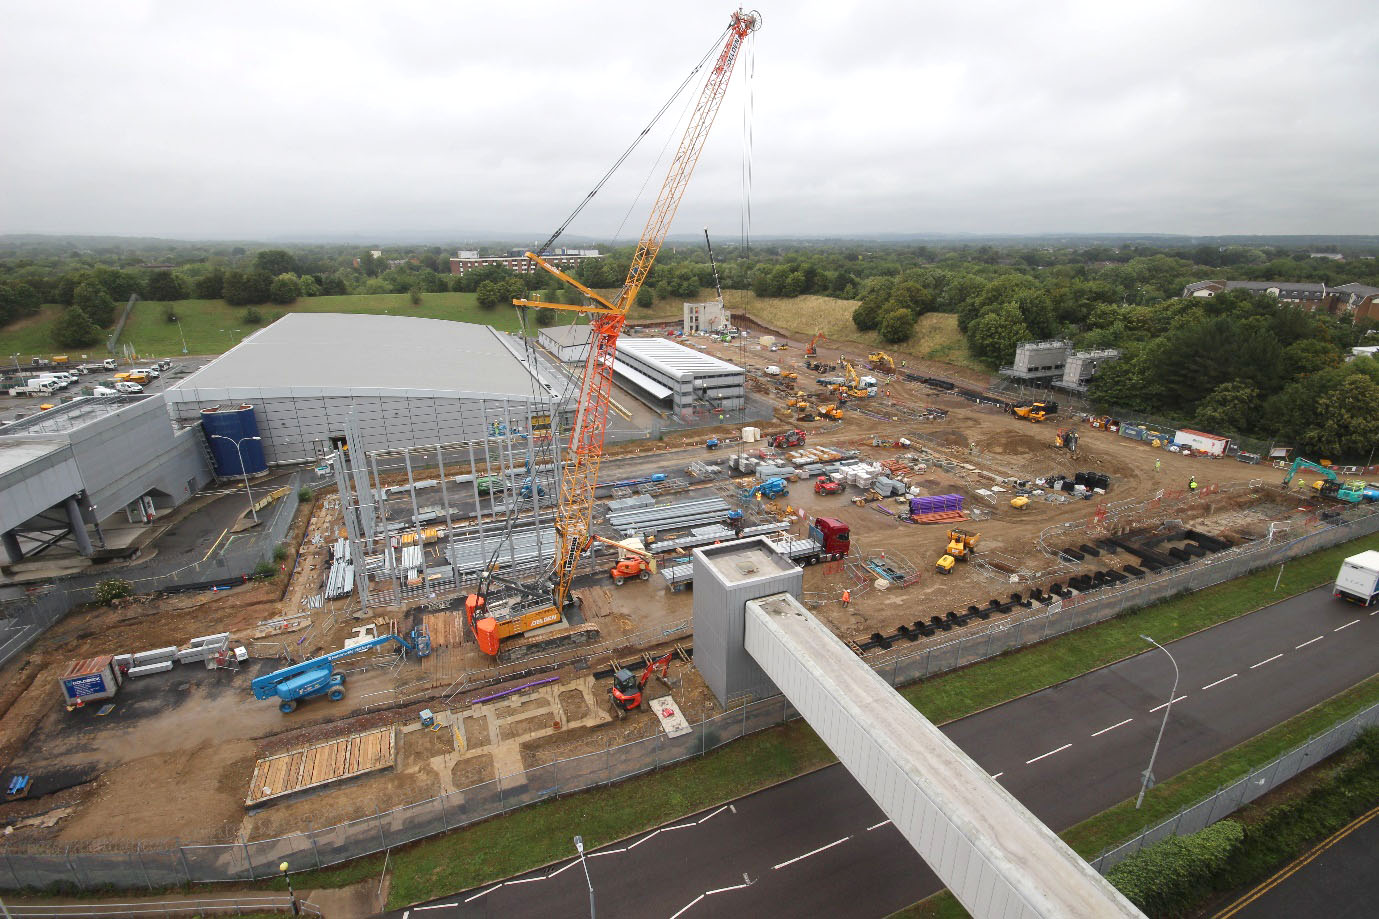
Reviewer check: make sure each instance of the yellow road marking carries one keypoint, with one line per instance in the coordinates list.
(1297, 865)
(214, 544)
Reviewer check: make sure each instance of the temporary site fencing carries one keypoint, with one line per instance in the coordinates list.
(23, 619)
(311, 848)
(1229, 798)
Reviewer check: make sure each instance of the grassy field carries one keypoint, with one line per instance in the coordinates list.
(936, 334)
(213, 326)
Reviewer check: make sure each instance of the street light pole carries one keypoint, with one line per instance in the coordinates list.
(1173, 694)
(242, 471)
(579, 847)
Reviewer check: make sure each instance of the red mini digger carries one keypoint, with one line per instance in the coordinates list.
(627, 686)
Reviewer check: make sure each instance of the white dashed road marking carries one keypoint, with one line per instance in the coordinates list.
(1113, 727)
(1220, 681)
(1265, 661)
(836, 842)
(1167, 704)
(1050, 753)
(1307, 642)
(877, 825)
(1346, 626)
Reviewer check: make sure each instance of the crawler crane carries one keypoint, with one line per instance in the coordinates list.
(544, 603)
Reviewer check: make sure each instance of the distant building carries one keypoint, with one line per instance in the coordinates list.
(516, 260)
(1361, 300)
(1334, 256)
(1055, 363)
(705, 317)
(1364, 351)
(1039, 361)
(1082, 366)
(570, 343)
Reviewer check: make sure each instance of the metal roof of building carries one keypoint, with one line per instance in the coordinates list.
(673, 359)
(311, 354)
(71, 415)
(568, 336)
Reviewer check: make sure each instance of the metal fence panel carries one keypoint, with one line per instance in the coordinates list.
(586, 771)
(217, 863)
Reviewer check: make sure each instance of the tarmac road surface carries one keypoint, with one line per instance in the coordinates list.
(1338, 876)
(817, 845)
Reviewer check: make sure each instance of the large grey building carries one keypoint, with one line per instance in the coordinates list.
(679, 380)
(87, 460)
(401, 381)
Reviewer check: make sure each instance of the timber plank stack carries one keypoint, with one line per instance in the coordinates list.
(446, 628)
(323, 763)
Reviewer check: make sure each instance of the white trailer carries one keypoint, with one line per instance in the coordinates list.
(1205, 443)
(1358, 579)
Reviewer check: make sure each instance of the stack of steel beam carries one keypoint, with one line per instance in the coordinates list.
(669, 517)
(525, 546)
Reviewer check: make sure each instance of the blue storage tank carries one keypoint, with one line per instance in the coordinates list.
(226, 427)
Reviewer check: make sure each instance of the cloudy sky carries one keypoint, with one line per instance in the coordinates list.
(464, 120)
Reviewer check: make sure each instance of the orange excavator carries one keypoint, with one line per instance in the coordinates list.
(544, 601)
(812, 348)
(626, 693)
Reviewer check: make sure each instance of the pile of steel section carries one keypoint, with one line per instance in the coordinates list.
(340, 581)
(526, 546)
(669, 517)
(707, 535)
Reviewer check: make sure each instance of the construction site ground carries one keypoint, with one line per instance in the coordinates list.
(172, 761)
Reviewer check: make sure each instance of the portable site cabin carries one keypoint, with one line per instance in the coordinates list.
(90, 680)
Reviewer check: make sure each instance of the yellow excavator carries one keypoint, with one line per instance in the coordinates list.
(880, 360)
(831, 411)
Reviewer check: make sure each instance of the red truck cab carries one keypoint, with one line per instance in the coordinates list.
(833, 536)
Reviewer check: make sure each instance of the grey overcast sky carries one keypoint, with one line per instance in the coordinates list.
(464, 120)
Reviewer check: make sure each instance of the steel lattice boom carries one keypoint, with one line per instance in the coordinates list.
(574, 512)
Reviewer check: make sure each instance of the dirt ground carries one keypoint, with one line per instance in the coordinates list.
(173, 759)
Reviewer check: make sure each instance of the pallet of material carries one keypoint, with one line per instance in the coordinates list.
(322, 764)
(939, 517)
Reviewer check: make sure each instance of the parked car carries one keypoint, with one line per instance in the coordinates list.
(103, 391)
(164, 364)
(128, 387)
(152, 373)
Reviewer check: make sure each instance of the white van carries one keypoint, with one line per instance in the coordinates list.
(124, 386)
(772, 371)
(152, 372)
(102, 391)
